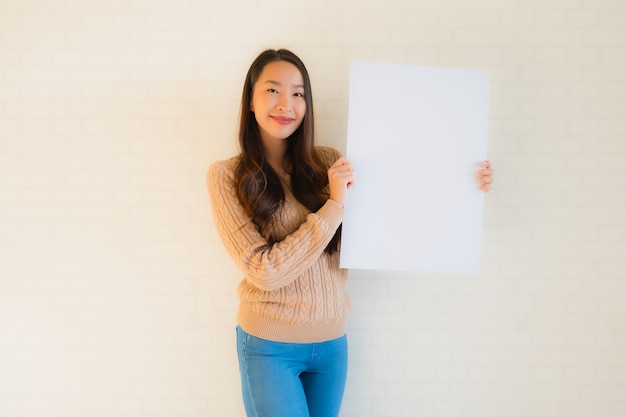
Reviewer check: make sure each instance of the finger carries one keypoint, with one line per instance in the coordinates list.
(486, 164)
(340, 175)
(344, 178)
(339, 162)
(342, 170)
(485, 187)
(340, 166)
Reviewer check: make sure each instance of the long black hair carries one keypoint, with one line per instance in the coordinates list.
(258, 186)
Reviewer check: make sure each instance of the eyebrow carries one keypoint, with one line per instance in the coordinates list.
(276, 83)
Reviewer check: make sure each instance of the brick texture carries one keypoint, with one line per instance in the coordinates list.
(117, 299)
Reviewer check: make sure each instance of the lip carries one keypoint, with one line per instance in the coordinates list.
(282, 120)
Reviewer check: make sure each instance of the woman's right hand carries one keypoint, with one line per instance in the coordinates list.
(340, 179)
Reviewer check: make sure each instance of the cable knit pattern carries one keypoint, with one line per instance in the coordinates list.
(292, 291)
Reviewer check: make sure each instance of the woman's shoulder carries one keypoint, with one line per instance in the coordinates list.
(225, 167)
(327, 154)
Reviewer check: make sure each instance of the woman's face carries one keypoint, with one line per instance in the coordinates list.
(278, 102)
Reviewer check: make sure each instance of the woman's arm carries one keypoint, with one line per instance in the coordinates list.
(266, 266)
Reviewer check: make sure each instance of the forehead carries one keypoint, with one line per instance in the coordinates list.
(282, 72)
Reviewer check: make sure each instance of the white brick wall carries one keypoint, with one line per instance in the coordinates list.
(117, 299)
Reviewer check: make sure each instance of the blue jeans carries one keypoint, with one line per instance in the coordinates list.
(292, 379)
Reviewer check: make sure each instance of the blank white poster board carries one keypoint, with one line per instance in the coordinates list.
(416, 137)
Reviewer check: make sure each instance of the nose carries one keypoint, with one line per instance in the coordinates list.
(284, 104)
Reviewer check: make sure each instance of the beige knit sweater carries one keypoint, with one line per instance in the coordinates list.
(292, 291)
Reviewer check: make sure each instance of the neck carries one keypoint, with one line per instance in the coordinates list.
(278, 166)
(275, 156)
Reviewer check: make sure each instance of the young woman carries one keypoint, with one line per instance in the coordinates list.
(278, 207)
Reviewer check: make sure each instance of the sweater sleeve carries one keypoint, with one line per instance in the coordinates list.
(268, 267)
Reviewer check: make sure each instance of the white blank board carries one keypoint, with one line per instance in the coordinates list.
(416, 137)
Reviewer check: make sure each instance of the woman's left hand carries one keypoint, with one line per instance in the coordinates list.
(484, 176)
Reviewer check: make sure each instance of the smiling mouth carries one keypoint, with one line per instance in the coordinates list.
(282, 120)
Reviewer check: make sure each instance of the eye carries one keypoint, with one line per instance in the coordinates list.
(272, 90)
(299, 94)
